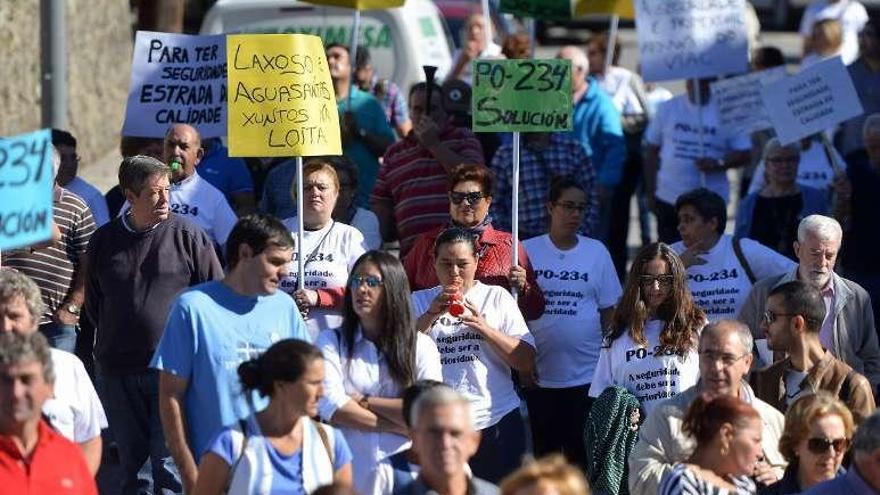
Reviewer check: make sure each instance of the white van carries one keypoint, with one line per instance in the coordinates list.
(400, 40)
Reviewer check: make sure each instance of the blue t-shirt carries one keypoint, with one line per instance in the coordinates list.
(287, 474)
(229, 175)
(210, 331)
(370, 117)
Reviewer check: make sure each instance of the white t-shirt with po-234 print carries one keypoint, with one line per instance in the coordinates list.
(649, 372)
(576, 283)
(470, 364)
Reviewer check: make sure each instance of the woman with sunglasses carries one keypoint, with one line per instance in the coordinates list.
(728, 436)
(329, 248)
(580, 287)
(651, 348)
(279, 449)
(818, 428)
(371, 359)
(481, 336)
(470, 195)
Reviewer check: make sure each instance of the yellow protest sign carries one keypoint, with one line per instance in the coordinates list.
(622, 8)
(281, 99)
(361, 4)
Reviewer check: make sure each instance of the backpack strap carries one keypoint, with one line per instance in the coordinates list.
(845, 392)
(737, 250)
(325, 439)
(243, 425)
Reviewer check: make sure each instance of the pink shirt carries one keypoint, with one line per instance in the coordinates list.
(826, 333)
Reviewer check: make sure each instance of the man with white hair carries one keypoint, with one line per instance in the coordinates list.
(596, 125)
(848, 328)
(444, 439)
(863, 476)
(74, 409)
(862, 226)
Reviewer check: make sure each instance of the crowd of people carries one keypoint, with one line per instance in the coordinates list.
(167, 331)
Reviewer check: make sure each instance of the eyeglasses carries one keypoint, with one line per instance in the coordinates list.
(662, 280)
(571, 207)
(770, 316)
(471, 197)
(821, 445)
(371, 281)
(726, 358)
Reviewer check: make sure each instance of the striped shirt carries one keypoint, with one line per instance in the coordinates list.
(416, 184)
(54, 268)
(683, 481)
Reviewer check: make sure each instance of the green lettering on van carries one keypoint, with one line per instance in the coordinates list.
(371, 36)
(427, 26)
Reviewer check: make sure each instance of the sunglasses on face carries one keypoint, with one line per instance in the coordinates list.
(471, 197)
(821, 445)
(371, 281)
(770, 316)
(662, 280)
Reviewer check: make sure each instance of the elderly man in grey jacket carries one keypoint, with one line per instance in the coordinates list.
(725, 358)
(848, 329)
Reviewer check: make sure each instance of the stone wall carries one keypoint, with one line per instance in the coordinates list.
(99, 46)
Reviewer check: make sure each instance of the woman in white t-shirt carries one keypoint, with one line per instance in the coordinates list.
(651, 349)
(719, 277)
(481, 336)
(371, 360)
(580, 288)
(329, 248)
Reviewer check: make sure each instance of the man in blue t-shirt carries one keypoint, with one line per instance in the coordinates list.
(214, 327)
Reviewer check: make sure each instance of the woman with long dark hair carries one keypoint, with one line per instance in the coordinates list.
(279, 449)
(651, 348)
(371, 359)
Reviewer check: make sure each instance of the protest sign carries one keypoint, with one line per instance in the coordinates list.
(360, 4)
(522, 95)
(684, 39)
(567, 9)
(739, 102)
(26, 178)
(176, 78)
(281, 98)
(813, 100)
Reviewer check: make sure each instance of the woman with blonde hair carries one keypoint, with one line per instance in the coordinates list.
(817, 434)
(651, 347)
(549, 475)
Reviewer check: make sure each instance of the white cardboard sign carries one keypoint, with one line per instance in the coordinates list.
(739, 102)
(177, 78)
(813, 100)
(685, 39)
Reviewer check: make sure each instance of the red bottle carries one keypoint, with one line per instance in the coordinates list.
(456, 308)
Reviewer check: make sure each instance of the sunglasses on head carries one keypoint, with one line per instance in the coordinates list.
(471, 197)
(371, 281)
(821, 445)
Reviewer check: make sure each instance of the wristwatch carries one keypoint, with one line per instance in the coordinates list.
(365, 402)
(72, 309)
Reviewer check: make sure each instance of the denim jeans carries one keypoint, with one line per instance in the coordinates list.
(132, 405)
(60, 336)
(502, 447)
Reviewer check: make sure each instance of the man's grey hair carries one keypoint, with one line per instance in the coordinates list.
(867, 437)
(18, 348)
(136, 170)
(821, 227)
(14, 283)
(439, 396)
(774, 146)
(741, 329)
(871, 125)
(580, 60)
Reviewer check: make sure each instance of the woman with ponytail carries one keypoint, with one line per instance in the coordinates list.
(728, 435)
(371, 360)
(651, 347)
(279, 449)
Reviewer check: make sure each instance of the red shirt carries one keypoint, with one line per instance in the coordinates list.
(415, 183)
(56, 466)
(496, 256)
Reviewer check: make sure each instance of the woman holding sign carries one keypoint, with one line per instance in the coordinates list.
(330, 249)
(580, 288)
(481, 336)
(652, 347)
